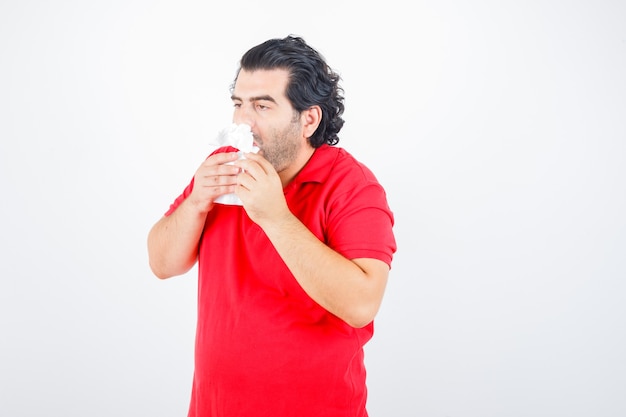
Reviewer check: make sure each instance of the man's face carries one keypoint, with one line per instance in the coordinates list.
(260, 101)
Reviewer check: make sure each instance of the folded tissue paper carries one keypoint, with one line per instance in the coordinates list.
(238, 136)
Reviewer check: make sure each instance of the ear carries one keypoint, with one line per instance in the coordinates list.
(311, 119)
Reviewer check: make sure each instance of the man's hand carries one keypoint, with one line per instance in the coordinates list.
(260, 189)
(213, 179)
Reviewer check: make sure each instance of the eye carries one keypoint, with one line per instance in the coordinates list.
(263, 105)
(236, 105)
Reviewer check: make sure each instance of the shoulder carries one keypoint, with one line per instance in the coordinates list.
(346, 160)
(332, 163)
(353, 176)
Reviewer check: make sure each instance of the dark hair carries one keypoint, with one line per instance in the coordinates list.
(311, 81)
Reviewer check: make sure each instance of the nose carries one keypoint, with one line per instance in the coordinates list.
(244, 114)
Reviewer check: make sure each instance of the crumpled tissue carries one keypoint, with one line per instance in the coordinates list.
(238, 136)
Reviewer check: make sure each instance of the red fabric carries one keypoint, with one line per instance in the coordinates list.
(263, 346)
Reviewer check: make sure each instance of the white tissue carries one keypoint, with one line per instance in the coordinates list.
(238, 136)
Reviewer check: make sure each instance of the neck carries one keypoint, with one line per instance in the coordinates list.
(287, 175)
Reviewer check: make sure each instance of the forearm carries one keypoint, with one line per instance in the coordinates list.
(173, 241)
(352, 290)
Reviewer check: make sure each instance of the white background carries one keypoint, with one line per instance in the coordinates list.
(497, 127)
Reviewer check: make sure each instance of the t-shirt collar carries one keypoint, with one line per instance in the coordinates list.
(318, 168)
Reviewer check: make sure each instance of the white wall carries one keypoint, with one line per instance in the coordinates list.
(497, 127)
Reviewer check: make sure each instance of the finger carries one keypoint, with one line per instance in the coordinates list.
(252, 168)
(206, 171)
(245, 180)
(259, 159)
(211, 180)
(221, 158)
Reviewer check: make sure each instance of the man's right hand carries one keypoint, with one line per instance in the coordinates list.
(213, 179)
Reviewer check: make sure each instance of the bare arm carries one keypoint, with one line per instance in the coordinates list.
(350, 289)
(173, 240)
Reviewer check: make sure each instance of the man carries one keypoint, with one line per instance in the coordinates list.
(289, 283)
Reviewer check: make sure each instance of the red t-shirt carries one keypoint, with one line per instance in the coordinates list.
(263, 346)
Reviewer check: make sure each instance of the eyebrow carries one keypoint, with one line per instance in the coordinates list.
(257, 98)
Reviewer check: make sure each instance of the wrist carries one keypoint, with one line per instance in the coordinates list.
(196, 207)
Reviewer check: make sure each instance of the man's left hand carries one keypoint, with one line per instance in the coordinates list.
(260, 189)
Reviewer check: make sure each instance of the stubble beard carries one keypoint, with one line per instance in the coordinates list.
(283, 148)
